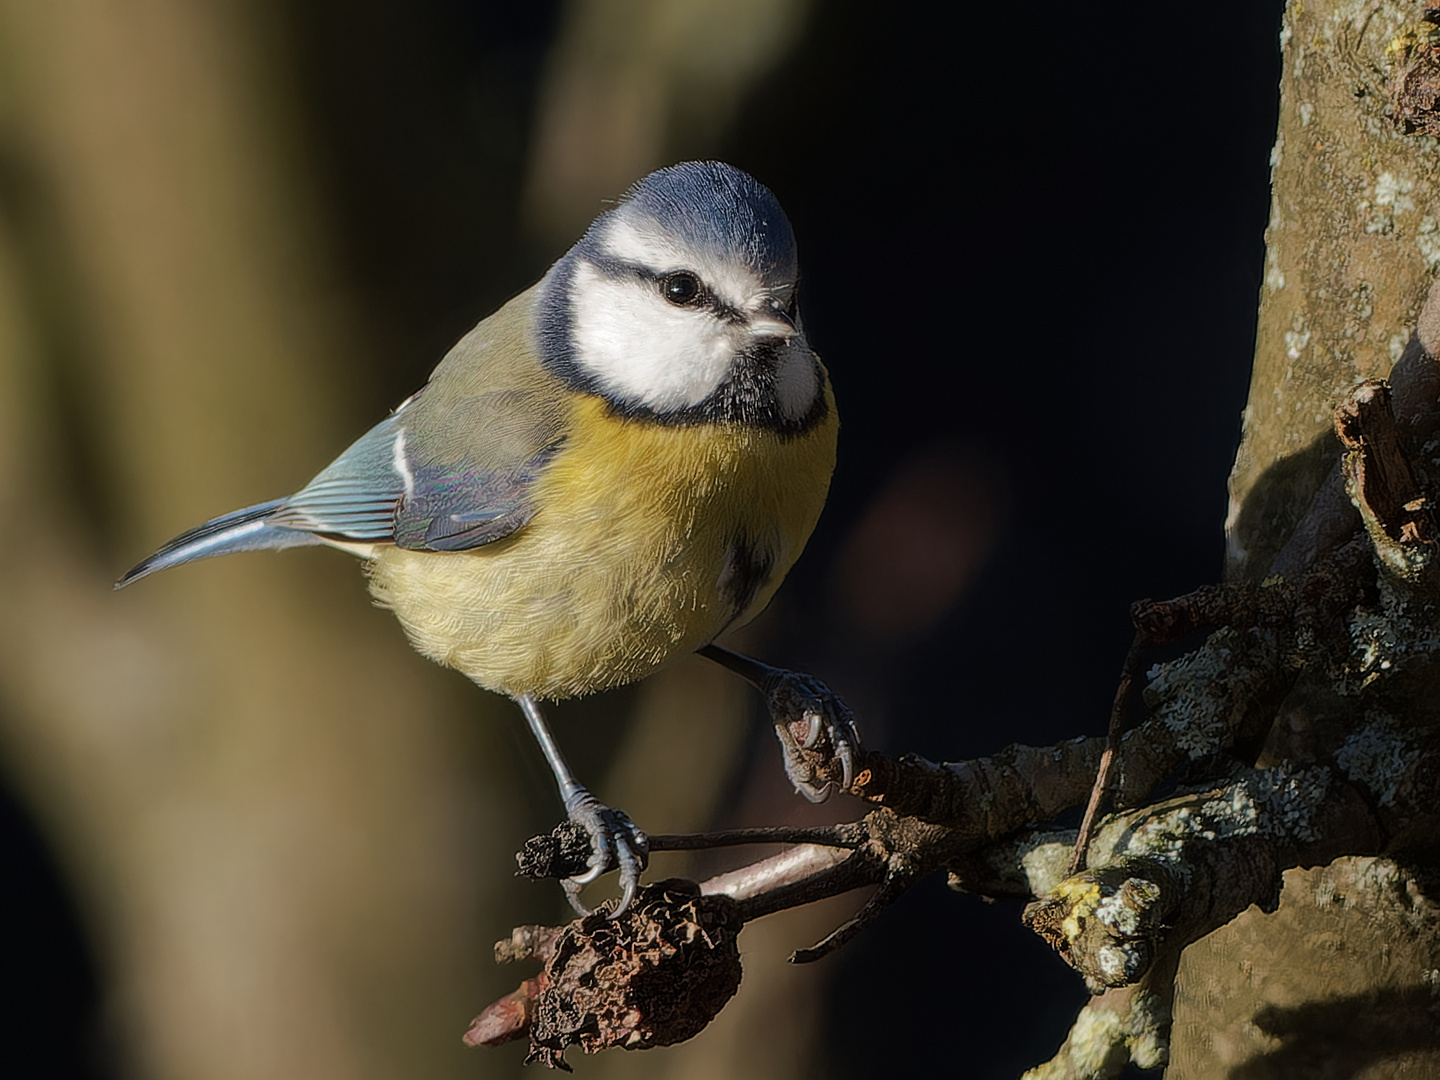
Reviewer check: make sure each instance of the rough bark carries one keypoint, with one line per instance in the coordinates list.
(1341, 977)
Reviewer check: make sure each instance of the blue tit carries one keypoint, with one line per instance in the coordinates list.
(617, 466)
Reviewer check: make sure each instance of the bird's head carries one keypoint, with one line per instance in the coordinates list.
(681, 305)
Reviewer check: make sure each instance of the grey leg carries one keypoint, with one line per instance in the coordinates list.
(614, 839)
(799, 700)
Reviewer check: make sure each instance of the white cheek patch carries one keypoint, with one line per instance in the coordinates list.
(642, 349)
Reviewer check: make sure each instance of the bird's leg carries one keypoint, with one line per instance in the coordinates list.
(815, 728)
(615, 840)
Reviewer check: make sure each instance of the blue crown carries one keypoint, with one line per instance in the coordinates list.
(716, 208)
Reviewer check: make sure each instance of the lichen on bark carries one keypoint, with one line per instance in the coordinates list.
(1352, 247)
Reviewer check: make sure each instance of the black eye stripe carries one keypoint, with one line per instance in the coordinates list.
(617, 269)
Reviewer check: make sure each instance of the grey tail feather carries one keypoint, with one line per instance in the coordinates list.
(240, 530)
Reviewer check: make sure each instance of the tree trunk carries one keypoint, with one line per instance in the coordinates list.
(1343, 977)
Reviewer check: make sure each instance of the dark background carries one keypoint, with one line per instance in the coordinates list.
(1032, 243)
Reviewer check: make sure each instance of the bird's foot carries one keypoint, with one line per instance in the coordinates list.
(818, 735)
(615, 842)
(817, 731)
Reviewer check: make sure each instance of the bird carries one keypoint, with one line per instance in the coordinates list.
(605, 474)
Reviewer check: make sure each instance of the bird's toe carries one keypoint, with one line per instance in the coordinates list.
(615, 841)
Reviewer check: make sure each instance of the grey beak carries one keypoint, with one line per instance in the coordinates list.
(774, 322)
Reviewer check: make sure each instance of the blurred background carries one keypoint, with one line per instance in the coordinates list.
(245, 831)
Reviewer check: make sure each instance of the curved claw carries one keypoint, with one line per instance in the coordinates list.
(615, 841)
(845, 751)
(629, 880)
(597, 867)
(815, 793)
(572, 887)
(812, 733)
(634, 855)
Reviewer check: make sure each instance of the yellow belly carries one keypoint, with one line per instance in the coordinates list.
(629, 560)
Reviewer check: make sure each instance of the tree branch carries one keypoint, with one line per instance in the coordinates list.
(1160, 872)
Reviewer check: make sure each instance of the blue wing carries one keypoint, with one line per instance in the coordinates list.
(355, 497)
(452, 468)
(378, 491)
(241, 530)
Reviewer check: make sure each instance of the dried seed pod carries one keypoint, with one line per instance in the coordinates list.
(655, 976)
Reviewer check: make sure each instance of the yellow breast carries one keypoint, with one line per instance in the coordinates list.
(647, 541)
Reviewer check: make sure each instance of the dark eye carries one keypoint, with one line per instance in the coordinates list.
(681, 289)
